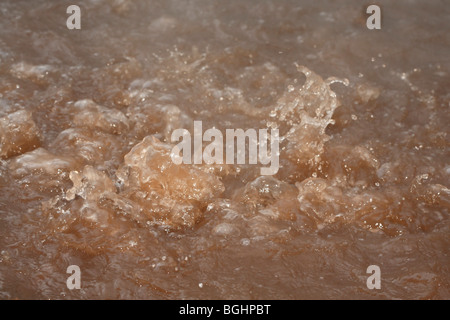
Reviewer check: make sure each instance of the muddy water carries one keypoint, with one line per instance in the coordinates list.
(86, 176)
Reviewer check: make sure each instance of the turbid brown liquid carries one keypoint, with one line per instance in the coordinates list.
(86, 178)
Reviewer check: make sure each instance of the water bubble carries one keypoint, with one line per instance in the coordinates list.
(245, 242)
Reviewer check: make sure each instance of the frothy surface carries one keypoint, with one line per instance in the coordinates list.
(86, 176)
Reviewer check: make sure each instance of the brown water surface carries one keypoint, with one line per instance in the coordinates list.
(86, 176)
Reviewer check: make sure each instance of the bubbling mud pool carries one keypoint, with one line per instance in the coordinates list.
(86, 175)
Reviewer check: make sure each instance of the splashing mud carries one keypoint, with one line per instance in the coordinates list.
(87, 179)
